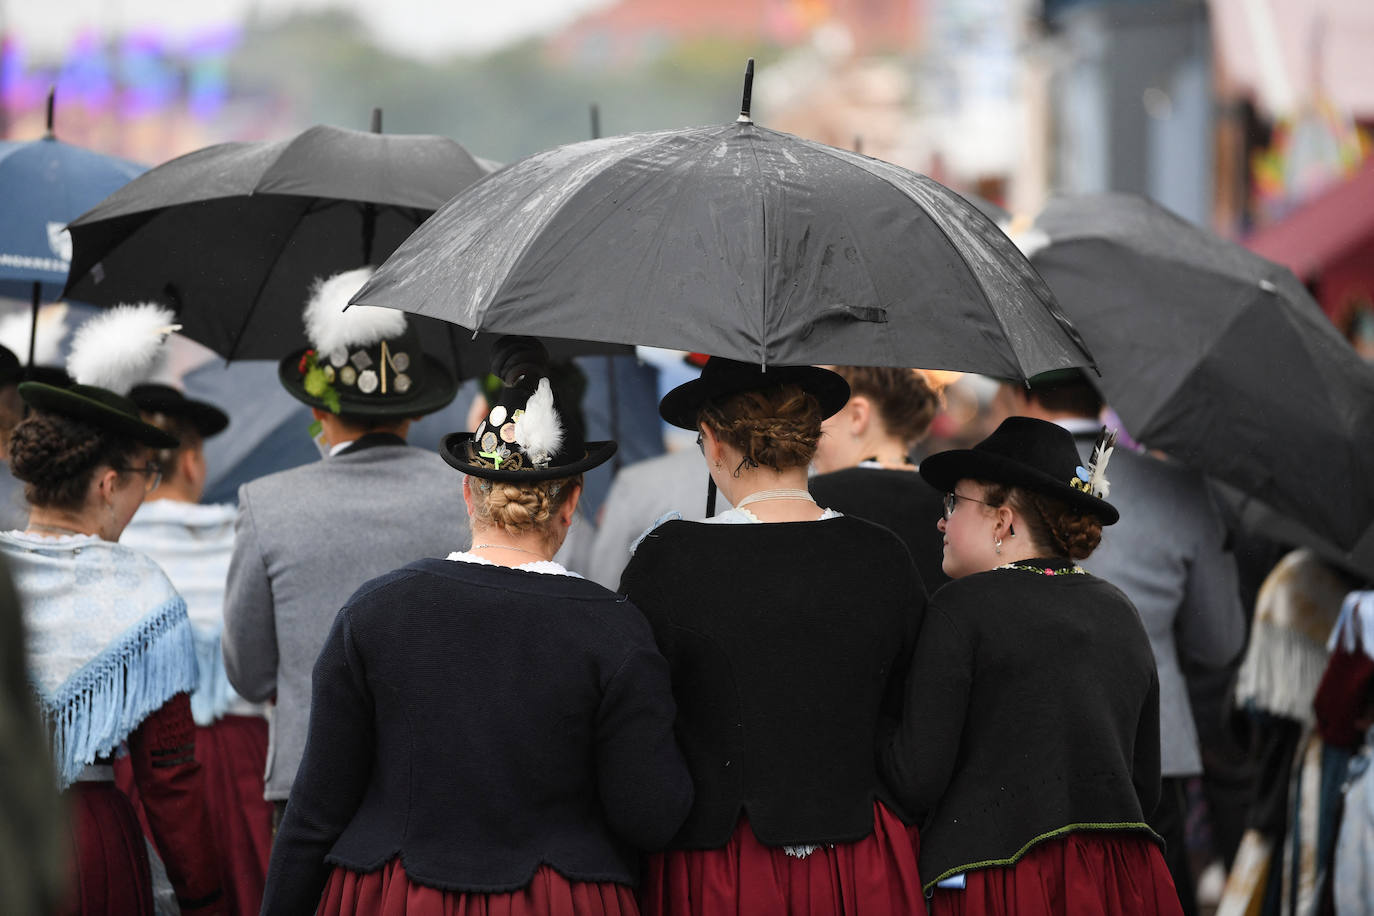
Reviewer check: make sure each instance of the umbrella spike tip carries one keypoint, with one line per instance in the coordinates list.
(745, 104)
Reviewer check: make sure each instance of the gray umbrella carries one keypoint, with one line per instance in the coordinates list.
(736, 241)
(1217, 356)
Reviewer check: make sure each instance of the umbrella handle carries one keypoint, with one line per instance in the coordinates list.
(872, 314)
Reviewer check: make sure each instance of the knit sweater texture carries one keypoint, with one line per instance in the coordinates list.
(1032, 710)
(786, 642)
(478, 722)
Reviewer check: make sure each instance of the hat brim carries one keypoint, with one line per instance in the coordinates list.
(944, 469)
(207, 419)
(436, 393)
(71, 402)
(455, 450)
(681, 405)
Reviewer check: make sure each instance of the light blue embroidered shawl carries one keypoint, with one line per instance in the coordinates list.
(108, 640)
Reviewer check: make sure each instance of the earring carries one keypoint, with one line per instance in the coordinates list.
(997, 545)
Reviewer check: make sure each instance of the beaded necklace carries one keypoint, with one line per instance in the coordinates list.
(1045, 570)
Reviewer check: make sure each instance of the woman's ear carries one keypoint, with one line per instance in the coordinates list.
(860, 415)
(106, 482)
(467, 492)
(569, 507)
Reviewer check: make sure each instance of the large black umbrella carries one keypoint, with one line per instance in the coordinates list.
(233, 235)
(1217, 356)
(737, 241)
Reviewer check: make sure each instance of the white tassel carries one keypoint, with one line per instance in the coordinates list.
(1098, 485)
(330, 329)
(539, 431)
(121, 347)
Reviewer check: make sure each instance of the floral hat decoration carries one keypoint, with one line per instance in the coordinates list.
(523, 437)
(110, 354)
(365, 361)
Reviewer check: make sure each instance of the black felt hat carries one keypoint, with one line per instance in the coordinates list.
(99, 407)
(506, 444)
(723, 377)
(365, 362)
(208, 419)
(1023, 452)
(13, 371)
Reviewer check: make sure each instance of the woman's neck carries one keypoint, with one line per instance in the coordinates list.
(505, 549)
(779, 496)
(887, 451)
(61, 522)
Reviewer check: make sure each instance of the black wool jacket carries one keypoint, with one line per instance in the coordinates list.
(480, 721)
(786, 642)
(900, 501)
(1032, 710)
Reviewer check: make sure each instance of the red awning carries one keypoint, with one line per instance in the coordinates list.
(1324, 229)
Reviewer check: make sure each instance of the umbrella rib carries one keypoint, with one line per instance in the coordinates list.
(987, 300)
(767, 279)
(266, 275)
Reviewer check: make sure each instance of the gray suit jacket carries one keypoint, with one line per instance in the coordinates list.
(1169, 555)
(306, 538)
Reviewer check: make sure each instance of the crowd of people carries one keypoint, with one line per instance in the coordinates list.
(869, 680)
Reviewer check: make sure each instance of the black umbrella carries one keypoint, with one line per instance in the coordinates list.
(233, 235)
(1216, 356)
(736, 241)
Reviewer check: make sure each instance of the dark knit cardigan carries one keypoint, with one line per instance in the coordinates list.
(785, 640)
(900, 501)
(1032, 710)
(479, 722)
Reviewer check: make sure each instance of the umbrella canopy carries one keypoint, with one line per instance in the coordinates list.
(233, 235)
(44, 184)
(736, 241)
(1216, 356)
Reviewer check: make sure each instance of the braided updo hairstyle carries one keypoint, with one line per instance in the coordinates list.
(906, 401)
(775, 427)
(56, 456)
(521, 507)
(1055, 527)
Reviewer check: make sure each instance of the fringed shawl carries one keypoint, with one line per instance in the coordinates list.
(1298, 606)
(108, 639)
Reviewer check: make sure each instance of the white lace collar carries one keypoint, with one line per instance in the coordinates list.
(546, 567)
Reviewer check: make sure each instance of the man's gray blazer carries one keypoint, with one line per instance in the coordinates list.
(1169, 555)
(306, 538)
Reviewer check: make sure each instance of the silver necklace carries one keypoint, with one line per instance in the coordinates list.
(774, 494)
(508, 547)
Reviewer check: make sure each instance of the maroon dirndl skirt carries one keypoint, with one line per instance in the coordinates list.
(876, 875)
(233, 757)
(108, 856)
(389, 892)
(1078, 874)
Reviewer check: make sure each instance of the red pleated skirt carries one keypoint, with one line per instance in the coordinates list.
(875, 876)
(233, 757)
(1078, 874)
(390, 892)
(108, 855)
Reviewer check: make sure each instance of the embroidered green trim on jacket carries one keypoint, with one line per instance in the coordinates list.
(1012, 860)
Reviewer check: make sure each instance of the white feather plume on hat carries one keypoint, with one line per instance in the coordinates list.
(539, 431)
(329, 328)
(121, 347)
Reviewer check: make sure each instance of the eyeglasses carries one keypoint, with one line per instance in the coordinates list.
(952, 500)
(152, 469)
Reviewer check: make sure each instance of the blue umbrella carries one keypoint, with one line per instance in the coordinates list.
(44, 184)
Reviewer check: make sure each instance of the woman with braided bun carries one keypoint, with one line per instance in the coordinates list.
(111, 656)
(489, 733)
(863, 460)
(1029, 741)
(787, 628)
